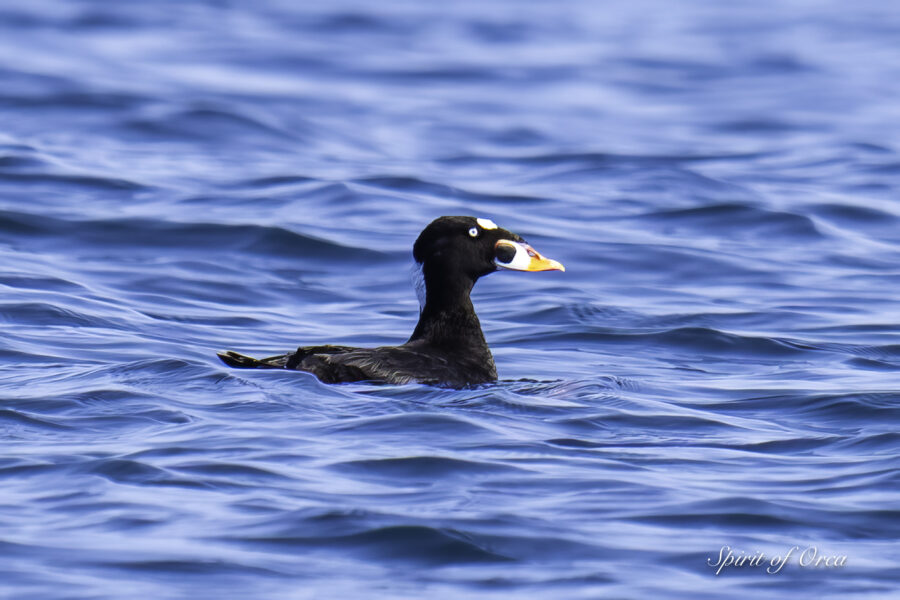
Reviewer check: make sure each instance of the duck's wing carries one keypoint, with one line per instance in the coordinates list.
(402, 364)
(390, 364)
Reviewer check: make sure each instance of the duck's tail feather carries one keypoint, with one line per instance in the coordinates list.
(233, 359)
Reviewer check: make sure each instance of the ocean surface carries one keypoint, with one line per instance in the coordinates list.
(718, 370)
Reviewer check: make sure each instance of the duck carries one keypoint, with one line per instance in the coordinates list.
(447, 348)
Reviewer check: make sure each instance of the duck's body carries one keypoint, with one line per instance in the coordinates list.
(413, 362)
(447, 346)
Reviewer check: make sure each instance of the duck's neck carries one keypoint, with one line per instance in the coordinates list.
(448, 317)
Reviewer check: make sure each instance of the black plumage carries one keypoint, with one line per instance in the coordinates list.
(447, 346)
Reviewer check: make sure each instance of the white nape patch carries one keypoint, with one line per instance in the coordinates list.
(520, 261)
(418, 278)
(486, 223)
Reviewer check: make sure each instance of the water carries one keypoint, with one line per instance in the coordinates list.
(717, 367)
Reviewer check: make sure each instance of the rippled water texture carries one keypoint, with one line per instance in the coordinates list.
(717, 367)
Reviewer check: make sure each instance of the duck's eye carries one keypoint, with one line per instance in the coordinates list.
(473, 232)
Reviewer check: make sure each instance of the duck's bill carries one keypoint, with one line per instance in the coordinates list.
(519, 256)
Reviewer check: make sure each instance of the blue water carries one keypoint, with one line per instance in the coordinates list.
(718, 366)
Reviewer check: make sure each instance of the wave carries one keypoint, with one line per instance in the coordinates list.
(422, 468)
(703, 340)
(427, 188)
(747, 514)
(405, 544)
(157, 233)
(210, 122)
(846, 407)
(78, 181)
(737, 219)
(45, 314)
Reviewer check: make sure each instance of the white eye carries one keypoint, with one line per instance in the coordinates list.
(473, 232)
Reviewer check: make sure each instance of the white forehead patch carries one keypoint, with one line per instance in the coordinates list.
(486, 223)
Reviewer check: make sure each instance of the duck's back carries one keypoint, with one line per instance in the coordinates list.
(412, 362)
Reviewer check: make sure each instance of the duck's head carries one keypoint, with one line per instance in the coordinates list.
(475, 247)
